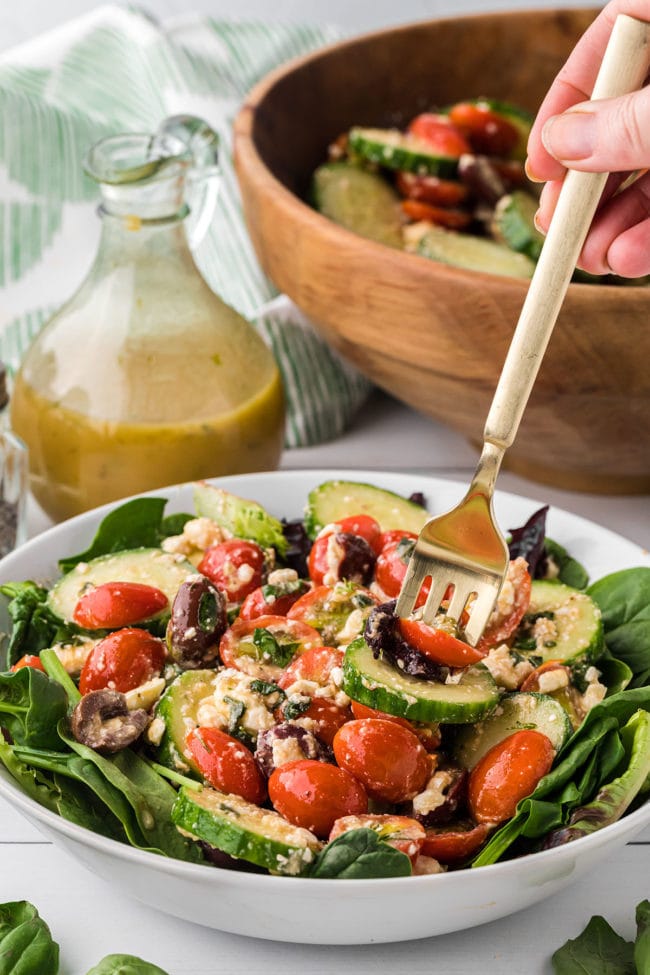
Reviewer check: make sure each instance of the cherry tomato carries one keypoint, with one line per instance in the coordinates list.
(388, 759)
(487, 131)
(340, 556)
(431, 189)
(314, 665)
(362, 711)
(455, 843)
(440, 134)
(329, 610)
(439, 645)
(531, 683)
(122, 660)
(236, 567)
(315, 794)
(508, 773)
(365, 526)
(429, 734)
(264, 646)
(271, 600)
(395, 535)
(226, 764)
(452, 218)
(29, 660)
(391, 569)
(503, 623)
(402, 832)
(116, 604)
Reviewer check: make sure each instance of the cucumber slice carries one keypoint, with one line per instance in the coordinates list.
(395, 150)
(562, 624)
(150, 566)
(359, 201)
(243, 830)
(513, 224)
(381, 686)
(245, 519)
(176, 714)
(333, 500)
(515, 711)
(473, 253)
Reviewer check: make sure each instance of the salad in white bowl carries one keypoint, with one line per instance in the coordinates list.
(229, 689)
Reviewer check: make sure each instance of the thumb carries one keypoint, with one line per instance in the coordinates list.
(608, 135)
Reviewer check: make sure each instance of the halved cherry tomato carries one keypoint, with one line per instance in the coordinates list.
(431, 189)
(439, 645)
(388, 759)
(122, 660)
(116, 604)
(487, 131)
(236, 567)
(29, 660)
(402, 832)
(456, 842)
(443, 217)
(314, 665)
(271, 600)
(266, 653)
(429, 734)
(391, 569)
(503, 624)
(507, 773)
(440, 134)
(329, 609)
(315, 794)
(226, 764)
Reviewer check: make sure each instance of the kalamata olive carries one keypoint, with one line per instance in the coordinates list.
(286, 743)
(341, 555)
(102, 721)
(482, 178)
(198, 621)
(383, 637)
(445, 792)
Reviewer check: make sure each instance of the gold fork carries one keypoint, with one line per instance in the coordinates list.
(464, 548)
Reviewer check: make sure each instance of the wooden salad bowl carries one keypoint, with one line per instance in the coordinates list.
(432, 335)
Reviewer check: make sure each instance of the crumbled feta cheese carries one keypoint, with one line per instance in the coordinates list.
(553, 680)
(74, 655)
(433, 795)
(155, 731)
(334, 556)
(503, 668)
(425, 865)
(353, 627)
(198, 535)
(282, 577)
(286, 750)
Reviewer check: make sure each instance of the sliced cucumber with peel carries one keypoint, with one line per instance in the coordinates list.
(243, 518)
(334, 500)
(515, 712)
(574, 623)
(379, 685)
(360, 201)
(397, 150)
(243, 830)
(177, 709)
(149, 566)
(473, 253)
(513, 223)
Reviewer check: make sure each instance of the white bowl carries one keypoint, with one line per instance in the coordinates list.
(330, 911)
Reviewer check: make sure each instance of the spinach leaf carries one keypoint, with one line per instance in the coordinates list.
(174, 524)
(31, 705)
(642, 943)
(271, 649)
(570, 571)
(26, 945)
(135, 524)
(36, 783)
(599, 950)
(358, 854)
(35, 626)
(624, 601)
(125, 965)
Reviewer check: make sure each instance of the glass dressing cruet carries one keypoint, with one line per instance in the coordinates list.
(145, 377)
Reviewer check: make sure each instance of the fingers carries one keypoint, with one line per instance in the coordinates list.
(619, 239)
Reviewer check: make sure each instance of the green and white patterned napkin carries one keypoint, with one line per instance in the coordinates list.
(114, 71)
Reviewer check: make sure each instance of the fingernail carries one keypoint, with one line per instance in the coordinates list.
(571, 135)
(537, 223)
(530, 174)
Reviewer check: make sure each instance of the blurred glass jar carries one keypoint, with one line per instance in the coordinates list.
(145, 377)
(13, 478)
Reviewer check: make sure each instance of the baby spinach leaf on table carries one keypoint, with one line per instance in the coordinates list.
(624, 601)
(35, 626)
(359, 854)
(125, 965)
(599, 950)
(31, 705)
(135, 524)
(26, 945)
(642, 943)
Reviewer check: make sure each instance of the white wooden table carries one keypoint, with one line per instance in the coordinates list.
(90, 920)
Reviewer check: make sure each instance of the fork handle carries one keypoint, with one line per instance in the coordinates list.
(623, 69)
